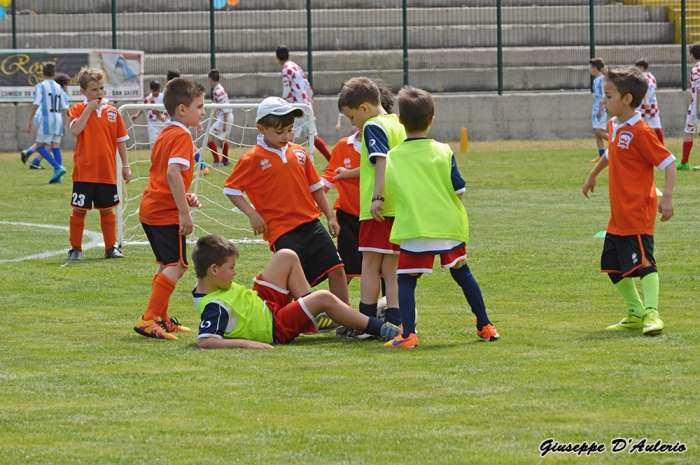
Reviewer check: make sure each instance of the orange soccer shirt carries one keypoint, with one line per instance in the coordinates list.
(96, 146)
(279, 185)
(344, 155)
(633, 152)
(173, 146)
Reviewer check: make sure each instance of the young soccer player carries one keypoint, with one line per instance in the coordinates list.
(430, 220)
(280, 180)
(164, 210)
(222, 126)
(100, 133)
(692, 119)
(359, 100)
(235, 316)
(51, 122)
(296, 89)
(633, 152)
(598, 116)
(62, 80)
(649, 107)
(156, 120)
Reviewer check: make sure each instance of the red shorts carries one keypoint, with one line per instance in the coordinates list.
(374, 236)
(423, 262)
(289, 320)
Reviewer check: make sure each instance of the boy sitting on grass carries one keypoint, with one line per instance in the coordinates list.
(633, 152)
(235, 316)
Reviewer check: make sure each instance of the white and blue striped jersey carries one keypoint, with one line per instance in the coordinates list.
(51, 100)
(598, 94)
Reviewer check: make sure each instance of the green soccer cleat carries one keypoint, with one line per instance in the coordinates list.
(652, 324)
(696, 168)
(631, 321)
(682, 166)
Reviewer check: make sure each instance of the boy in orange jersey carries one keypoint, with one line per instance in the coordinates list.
(164, 210)
(284, 187)
(343, 173)
(633, 152)
(100, 132)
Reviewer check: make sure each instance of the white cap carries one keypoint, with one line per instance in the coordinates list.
(277, 106)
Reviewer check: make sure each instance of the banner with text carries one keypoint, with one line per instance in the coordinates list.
(21, 70)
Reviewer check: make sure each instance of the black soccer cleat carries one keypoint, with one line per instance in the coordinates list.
(75, 254)
(113, 252)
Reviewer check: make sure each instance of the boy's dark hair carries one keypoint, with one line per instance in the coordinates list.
(214, 75)
(642, 63)
(357, 91)
(282, 52)
(88, 75)
(629, 81)
(172, 74)
(48, 70)
(597, 63)
(62, 79)
(209, 250)
(154, 85)
(277, 121)
(695, 51)
(416, 108)
(385, 96)
(180, 91)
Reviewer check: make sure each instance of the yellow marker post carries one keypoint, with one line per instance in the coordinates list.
(464, 141)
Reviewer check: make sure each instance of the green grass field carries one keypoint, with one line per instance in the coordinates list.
(80, 386)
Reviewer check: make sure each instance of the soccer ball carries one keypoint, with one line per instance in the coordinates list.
(381, 309)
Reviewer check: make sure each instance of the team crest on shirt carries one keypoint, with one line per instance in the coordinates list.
(301, 156)
(348, 163)
(624, 140)
(112, 116)
(265, 163)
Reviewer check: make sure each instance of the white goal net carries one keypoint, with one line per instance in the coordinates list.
(217, 215)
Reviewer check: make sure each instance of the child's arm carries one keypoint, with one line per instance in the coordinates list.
(589, 185)
(322, 202)
(344, 173)
(379, 173)
(136, 115)
(126, 170)
(31, 117)
(666, 202)
(79, 124)
(216, 343)
(340, 120)
(256, 221)
(177, 187)
(66, 117)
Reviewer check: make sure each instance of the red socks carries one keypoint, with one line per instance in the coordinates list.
(77, 226)
(687, 147)
(214, 150)
(163, 288)
(224, 152)
(108, 223)
(660, 134)
(321, 147)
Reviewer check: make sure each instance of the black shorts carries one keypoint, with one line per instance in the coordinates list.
(626, 254)
(87, 195)
(169, 246)
(315, 248)
(349, 242)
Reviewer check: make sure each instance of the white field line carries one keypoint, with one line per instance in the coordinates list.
(95, 241)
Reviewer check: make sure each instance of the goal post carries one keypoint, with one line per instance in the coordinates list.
(217, 214)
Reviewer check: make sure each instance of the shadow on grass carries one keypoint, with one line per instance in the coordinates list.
(616, 335)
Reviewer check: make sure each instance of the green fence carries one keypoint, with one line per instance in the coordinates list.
(439, 45)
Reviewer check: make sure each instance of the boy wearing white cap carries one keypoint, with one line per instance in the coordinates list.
(280, 180)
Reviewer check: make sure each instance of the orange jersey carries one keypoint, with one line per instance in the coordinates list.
(633, 152)
(279, 185)
(173, 146)
(96, 146)
(344, 155)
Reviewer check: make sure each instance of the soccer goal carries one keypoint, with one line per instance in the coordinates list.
(217, 215)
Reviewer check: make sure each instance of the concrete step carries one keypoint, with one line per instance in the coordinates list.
(263, 40)
(176, 21)
(141, 6)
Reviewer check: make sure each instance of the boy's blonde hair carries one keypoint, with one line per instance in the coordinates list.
(629, 81)
(416, 108)
(357, 91)
(87, 75)
(181, 91)
(209, 250)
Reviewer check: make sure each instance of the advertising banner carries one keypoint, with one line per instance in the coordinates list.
(20, 71)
